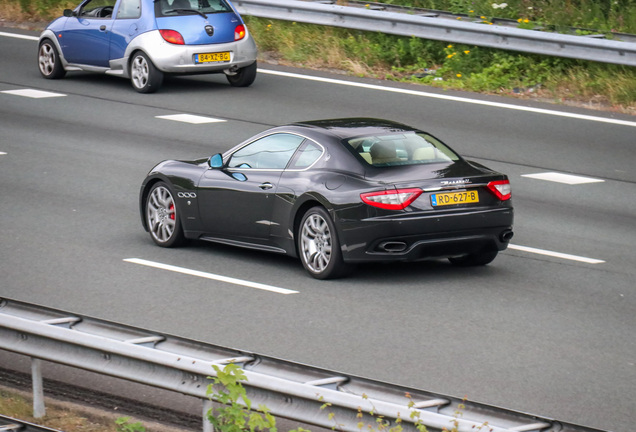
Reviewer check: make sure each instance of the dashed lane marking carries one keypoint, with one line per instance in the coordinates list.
(31, 93)
(212, 276)
(563, 178)
(189, 118)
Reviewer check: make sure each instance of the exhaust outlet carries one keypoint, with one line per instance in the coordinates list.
(393, 246)
(506, 235)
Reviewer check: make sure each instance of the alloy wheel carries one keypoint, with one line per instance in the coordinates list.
(140, 72)
(316, 243)
(46, 59)
(161, 214)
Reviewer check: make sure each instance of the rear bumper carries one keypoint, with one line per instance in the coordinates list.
(179, 59)
(413, 238)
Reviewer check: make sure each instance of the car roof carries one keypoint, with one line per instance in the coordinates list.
(353, 127)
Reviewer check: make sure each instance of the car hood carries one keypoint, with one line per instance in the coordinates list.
(193, 27)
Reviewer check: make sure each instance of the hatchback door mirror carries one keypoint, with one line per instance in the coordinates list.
(68, 13)
(216, 161)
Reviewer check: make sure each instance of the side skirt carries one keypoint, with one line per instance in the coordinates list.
(244, 244)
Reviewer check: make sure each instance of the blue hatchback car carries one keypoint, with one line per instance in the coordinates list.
(145, 39)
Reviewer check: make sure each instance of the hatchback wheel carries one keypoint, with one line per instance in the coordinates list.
(144, 76)
(162, 217)
(244, 77)
(49, 61)
(318, 245)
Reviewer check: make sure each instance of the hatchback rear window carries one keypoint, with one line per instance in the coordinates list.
(401, 149)
(181, 7)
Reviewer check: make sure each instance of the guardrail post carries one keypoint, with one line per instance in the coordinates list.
(39, 409)
(207, 406)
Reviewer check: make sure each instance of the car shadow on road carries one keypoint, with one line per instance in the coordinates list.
(369, 273)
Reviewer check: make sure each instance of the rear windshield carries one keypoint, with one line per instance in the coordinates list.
(401, 149)
(181, 7)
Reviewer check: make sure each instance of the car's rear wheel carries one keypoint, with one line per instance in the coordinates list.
(244, 77)
(476, 259)
(49, 61)
(318, 245)
(144, 76)
(162, 217)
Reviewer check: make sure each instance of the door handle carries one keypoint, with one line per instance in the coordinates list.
(102, 28)
(266, 186)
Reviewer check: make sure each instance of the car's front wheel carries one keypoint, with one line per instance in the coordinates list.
(244, 77)
(49, 61)
(162, 217)
(318, 245)
(144, 76)
(476, 259)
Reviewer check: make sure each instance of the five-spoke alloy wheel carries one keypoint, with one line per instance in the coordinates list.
(49, 61)
(162, 217)
(144, 76)
(318, 245)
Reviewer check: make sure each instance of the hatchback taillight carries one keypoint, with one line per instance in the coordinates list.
(172, 36)
(501, 189)
(239, 32)
(394, 199)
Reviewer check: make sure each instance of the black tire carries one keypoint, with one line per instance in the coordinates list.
(49, 61)
(144, 76)
(476, 259)
(318, 245)
(244, 77)
(162, 218)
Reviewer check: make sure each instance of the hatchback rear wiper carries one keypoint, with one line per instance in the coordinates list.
(187, 10)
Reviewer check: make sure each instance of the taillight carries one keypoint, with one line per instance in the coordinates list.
(501, 189)
(239, 32)
(396, 199)
(172, 36)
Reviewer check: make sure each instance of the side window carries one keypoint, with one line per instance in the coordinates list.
(307, 155)
(129, 9)
(270, 152)
(98, 9)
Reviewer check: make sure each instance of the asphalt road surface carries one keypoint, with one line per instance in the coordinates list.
(547, 328)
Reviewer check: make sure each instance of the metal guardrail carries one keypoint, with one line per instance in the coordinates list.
(290, 390)
(430, 26)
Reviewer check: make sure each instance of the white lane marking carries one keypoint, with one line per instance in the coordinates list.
(563, 178)
(30, 93)
(450, 98)
(189, 118)
(212, 276)
(2, 153)
(19, 36)
(555, 254)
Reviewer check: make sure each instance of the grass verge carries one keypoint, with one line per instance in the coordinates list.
(62, 416)
(67, 416)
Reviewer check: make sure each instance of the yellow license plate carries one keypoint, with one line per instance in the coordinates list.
(212, 57)
(454, 198)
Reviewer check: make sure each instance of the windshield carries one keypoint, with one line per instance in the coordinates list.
(401, 149)
(180, 7)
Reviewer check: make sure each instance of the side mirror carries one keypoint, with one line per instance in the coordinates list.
(216, 161)
(68, 12)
